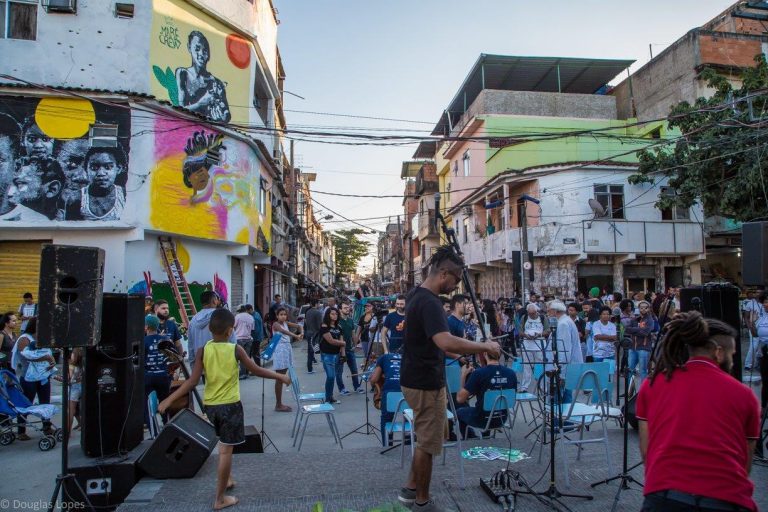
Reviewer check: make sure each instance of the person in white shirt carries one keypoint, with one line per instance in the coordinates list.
(751, 310)
(605, 336)
(534, 333)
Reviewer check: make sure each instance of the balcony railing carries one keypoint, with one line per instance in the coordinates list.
(589, 237)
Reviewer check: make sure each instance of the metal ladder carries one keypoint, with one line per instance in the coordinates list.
(176, 277)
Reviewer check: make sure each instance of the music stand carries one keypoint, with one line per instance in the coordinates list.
(368, 426)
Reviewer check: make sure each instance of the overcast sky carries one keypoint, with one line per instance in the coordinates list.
(405, 59)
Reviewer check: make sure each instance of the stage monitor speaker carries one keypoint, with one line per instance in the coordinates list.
(181, 449)
(112, 403)
(252, 442)
(71, 280)
(720, 301)
(754, 254)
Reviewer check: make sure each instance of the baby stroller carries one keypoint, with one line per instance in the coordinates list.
(13, 403)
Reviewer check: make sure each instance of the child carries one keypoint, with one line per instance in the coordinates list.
(283, 355)
(75, 386)
(219, 359)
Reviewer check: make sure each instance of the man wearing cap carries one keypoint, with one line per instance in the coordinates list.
(568, 343)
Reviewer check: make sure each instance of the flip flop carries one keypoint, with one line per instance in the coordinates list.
(283, 408)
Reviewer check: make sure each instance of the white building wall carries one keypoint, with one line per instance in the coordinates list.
(92, 49)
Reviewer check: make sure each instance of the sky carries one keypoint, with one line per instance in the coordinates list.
(405, 60)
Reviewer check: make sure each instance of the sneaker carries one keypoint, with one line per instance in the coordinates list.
(344, 392)
(407, 496)
(22, 437)
(429, 506)
(360, 391)
(334, 401)
(310, 372)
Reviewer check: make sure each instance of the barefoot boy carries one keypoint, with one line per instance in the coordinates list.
(219, 359)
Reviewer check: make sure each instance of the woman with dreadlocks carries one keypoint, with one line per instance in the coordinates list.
(698, 425)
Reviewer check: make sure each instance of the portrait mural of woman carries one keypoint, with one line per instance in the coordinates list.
(198, 89)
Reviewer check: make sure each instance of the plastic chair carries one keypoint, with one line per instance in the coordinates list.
(301, 398)
(494, 403)
(526, 397)
(453, 385)
(588, 379)
(397, 405)
(152, 407)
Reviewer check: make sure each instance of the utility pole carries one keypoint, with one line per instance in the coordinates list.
(398, 269)
(524, 246)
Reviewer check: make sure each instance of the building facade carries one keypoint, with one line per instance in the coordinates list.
(540, 134)
(127, 127)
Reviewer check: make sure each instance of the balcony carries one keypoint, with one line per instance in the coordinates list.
(426, 224)
(654, 238)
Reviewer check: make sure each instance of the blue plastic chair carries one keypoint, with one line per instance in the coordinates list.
(152, 407)
(494, 402)
(301, 398)
(397, 405)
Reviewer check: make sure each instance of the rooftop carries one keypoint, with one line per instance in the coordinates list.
(541, 74)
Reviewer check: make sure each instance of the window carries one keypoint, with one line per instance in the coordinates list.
(103, 136)
(18, 19)
(466, 230)
(674, 212)
(465, 160)
(612, 199)
(263, 197)
(456, 168)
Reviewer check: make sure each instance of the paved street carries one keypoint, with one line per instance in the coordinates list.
(356, 478)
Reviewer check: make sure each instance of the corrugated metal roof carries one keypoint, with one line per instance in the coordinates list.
(541, 74)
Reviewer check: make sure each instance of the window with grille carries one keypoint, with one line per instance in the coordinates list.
(612, 199)
(465, 160)
(18, 19)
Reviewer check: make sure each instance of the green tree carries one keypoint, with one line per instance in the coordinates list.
(720, 159)
(350, 249)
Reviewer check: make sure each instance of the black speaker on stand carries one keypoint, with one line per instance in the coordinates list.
(754, 257)
(720, 301)
(112, 406)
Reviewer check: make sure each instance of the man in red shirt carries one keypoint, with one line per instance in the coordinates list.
(698, 425)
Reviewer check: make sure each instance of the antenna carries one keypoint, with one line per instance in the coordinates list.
(598, 209)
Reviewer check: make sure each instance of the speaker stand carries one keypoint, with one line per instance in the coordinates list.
(265, 439)
(59, 489)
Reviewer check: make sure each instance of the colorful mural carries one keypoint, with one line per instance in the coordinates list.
(62, 159)
(206, 185)
(198, 63)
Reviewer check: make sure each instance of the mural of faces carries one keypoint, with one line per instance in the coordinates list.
(48, 169)
(198, 89)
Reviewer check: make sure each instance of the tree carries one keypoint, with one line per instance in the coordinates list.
(349, 249)
(720, 159)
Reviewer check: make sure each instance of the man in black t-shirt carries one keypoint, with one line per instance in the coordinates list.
(422, 376)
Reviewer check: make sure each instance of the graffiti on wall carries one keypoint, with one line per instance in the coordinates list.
(62, 159)
(206, 185)
(197, 63)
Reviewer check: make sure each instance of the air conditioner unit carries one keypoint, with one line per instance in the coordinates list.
(60, 6)
(467, 210)
(277, 154)
(124, 10)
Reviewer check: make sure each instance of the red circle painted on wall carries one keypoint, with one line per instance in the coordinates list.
(239, 51)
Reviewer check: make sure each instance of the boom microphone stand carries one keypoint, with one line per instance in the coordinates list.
(555, 398)
(624, 477)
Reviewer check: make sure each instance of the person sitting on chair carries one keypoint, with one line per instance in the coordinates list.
(491, 376)
(385, 379)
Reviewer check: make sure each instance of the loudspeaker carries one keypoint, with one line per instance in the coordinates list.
(112, 403)
(105, 482)
(181, 449)
(71, 280)
(720, 301)
(754, 254)
(252, 442)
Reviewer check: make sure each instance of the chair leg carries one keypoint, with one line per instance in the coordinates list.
(330, 426)
(298, 429)
(336, 429)
(304, 431)
(402, 444)
(295, 420)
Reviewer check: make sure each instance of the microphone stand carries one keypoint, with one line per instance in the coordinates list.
(555, 398)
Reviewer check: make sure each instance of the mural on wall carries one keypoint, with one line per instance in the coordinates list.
(197, 63)
(62, 159)
(206, 185)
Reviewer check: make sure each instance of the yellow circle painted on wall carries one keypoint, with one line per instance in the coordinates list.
(183, 254)
(64, 118)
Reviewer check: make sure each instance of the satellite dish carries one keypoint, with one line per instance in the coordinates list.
(597, 208)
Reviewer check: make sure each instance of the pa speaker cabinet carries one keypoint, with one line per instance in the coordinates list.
(105, 482)
(112, 404)
(720, 301)
(252, 442)
(181, 449)
(71, 281)
(754, 257)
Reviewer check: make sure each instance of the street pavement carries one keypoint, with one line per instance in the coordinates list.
(323, 477)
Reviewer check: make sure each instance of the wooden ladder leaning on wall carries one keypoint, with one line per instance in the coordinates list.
(178, 282)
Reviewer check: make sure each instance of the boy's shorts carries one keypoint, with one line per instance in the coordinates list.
(229, 422)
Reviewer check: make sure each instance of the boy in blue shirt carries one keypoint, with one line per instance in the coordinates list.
(156, 377)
